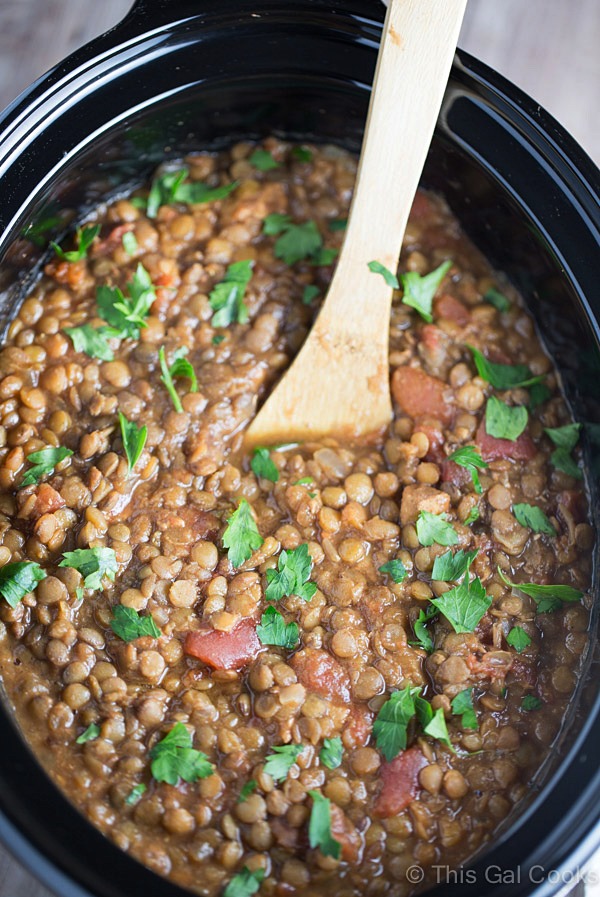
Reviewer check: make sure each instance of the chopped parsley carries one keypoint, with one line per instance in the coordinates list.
(518, 639)
(504, 421)
(464, 605)
(395, 569)
(248, 789)
(302, 153)
(90, 734)
(227, 297)
(450, 567)
(538, 394)
(468, 457)
(296, 241)
(135, 794)
(174, 758)
(85, 237)
(262, 160)
(331, 753)
(530, 702)
(134, 440)
(273, 630)
(503, 376)
(291, 576)
(319, 827)
(462, 705)
(548, 598)
(279, 763)
(337, 224)
(44, 461)
(423, 637)
(241, 536)
(130, 244)
(534, 518)
(263, 465)
(497, 299)
(19, 579)
(128, 624)
(245, 883)
(472, 516)
(391, 725)
(435, 528)
(93, 563)
(419, 291)
(218, 339)
(91, 341)
(565, 439)
(325, 256)
(169, 187)
(433, 721)
(180, 367)
(126, 314)
(309, 293)
(390, 278)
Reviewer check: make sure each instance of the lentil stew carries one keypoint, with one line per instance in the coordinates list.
(307, 666)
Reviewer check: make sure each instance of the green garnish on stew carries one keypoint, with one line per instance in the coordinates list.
(245, 883)
(19, 579)
(134, 440)
(227, 297)
(263, 465)
(504, 421)
(309, 293)
(419, 291)
(530, 702)
(262, 160)
(423, 637)
(248, 789)
(128, 624)
(93, 563)
(326, 255)
(395, 569)
(319, 827)
(297, 241)
(90, 734)
(44, 462)
(170, 187)
(218, 339)
(291, 576)
(391, 725)
(538, 394)
(130, 243)
(497, 299)
(174, 758)
(547, 597)
(450, 567)
(503, 376)
(472, 516)
(279, 763)
(273, 630)
(241, 536)
(433, 721)
(126, 314)
(462, 705)
(85, 237)
(468, 457)
(390, 278)
(435, 528)
(518, 639)
(135, 794)
(565, 439)
(91, 341)
(534, 518)
(331, 753)
(302, 153)
(337, 224)
(180, 367)
(464, 605)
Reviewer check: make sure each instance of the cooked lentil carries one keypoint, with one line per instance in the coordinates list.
(356, 508)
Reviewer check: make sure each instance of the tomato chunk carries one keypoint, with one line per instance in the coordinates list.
(455, 474)
(224, 650)
(322, 674)
(399, 782)
(345, 834)
(447, 306)
(420, 395)
(47, 501)
(522, 449)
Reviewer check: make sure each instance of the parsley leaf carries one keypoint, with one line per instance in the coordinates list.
(325, 256)
(390, 278)
(468, 457)
(248, 789)
(273, 630)
(297, 241)
(424, 639)
(227, 297)
(130, 244)
(44, 463)
(279, 763)
(450, 567)
(128, 624)
(169, 187)
(419, 291)
(263, 465)
(462, 705)
(126, 314)
(93, 564)
(19, 579)
(135, 794)
(85, 237)
(309, 293)
(331, 753)
(90, 734)
(434, 528)
(337, 224)
(91, 341)
(275, 223)
(518, 639)
(245, 883)
(464, 605)
(134, 440)
(391, 725)
(302, 153)
(395, 569)
(534, 518)
(291, 576)
(497, 299)
(241, 535)
(538, 394)
(174, 758)
(503, 376)
(262, 160)
(180, 367)
(530, 702)
(218, 339)
(319, 827)
(548, 598)
(433, 722)
(504, 421)
(472, 516)
(565, 439)
(195, 192)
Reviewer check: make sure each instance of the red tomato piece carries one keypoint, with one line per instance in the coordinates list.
(420, 395)
(399, 782)
(455, 474)
(345, 834)
(224, 650)
(358, 727)
(322, 674)
(47, 501)
(447, 306)
(522, 449)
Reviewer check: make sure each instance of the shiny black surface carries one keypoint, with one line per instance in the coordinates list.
(178, 76)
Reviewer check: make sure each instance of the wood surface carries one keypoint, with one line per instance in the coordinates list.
(550, 48)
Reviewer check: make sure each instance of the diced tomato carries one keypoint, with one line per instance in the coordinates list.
(111, 241)
(70, 273)
(455, 474)
(416, 498)
(420, 395)
(492, 665)
(447, 306)
(322, 674)
(399, 782)
(47, 500)
(357, 730)
(224, 650)
(433, 348)
(522, 449)
(345, 834)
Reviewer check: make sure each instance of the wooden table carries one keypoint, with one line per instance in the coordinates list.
(547, 47)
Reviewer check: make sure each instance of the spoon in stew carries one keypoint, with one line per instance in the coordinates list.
(338, 384)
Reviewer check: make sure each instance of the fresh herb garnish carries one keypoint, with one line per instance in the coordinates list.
(464, 605)
(319, 827)
(468, 457)
(19, 579)
(547, 597)
(170, 187)
(433, 722)
(538, 394)
(273, 630)
(291, 576)
(90, 734)
(128, 624)
(518, 639)
(423, 637)
(497, 299)
(337, 224)
(325, 256)
(302, 153)
(135, 794)
(35, 232)
(262, 160)
(503, 376)
(174, 758)
(390, 278)
(534, 518)
(304, 481)
(419, 291)
(530, 702)
(126, 314)
(504, 421)
(331, 753)
(218, 339)
(391, 725)
(90, 341)
(245, 883)
(450, 567)
(263, 465)
(93, 563)
(279, 763)
(85, 237)
(297, 241)
(462, 705)
(130, 243)
(435, 528)
(395, 569)
(241, 536)
(309, 293)
(565, 439)
(44, 463)
(180, 367)
(227, 297)
(134, 440)
(248, 789)
(472, 516)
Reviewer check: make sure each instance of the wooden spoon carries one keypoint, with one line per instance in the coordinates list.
(339, 383)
